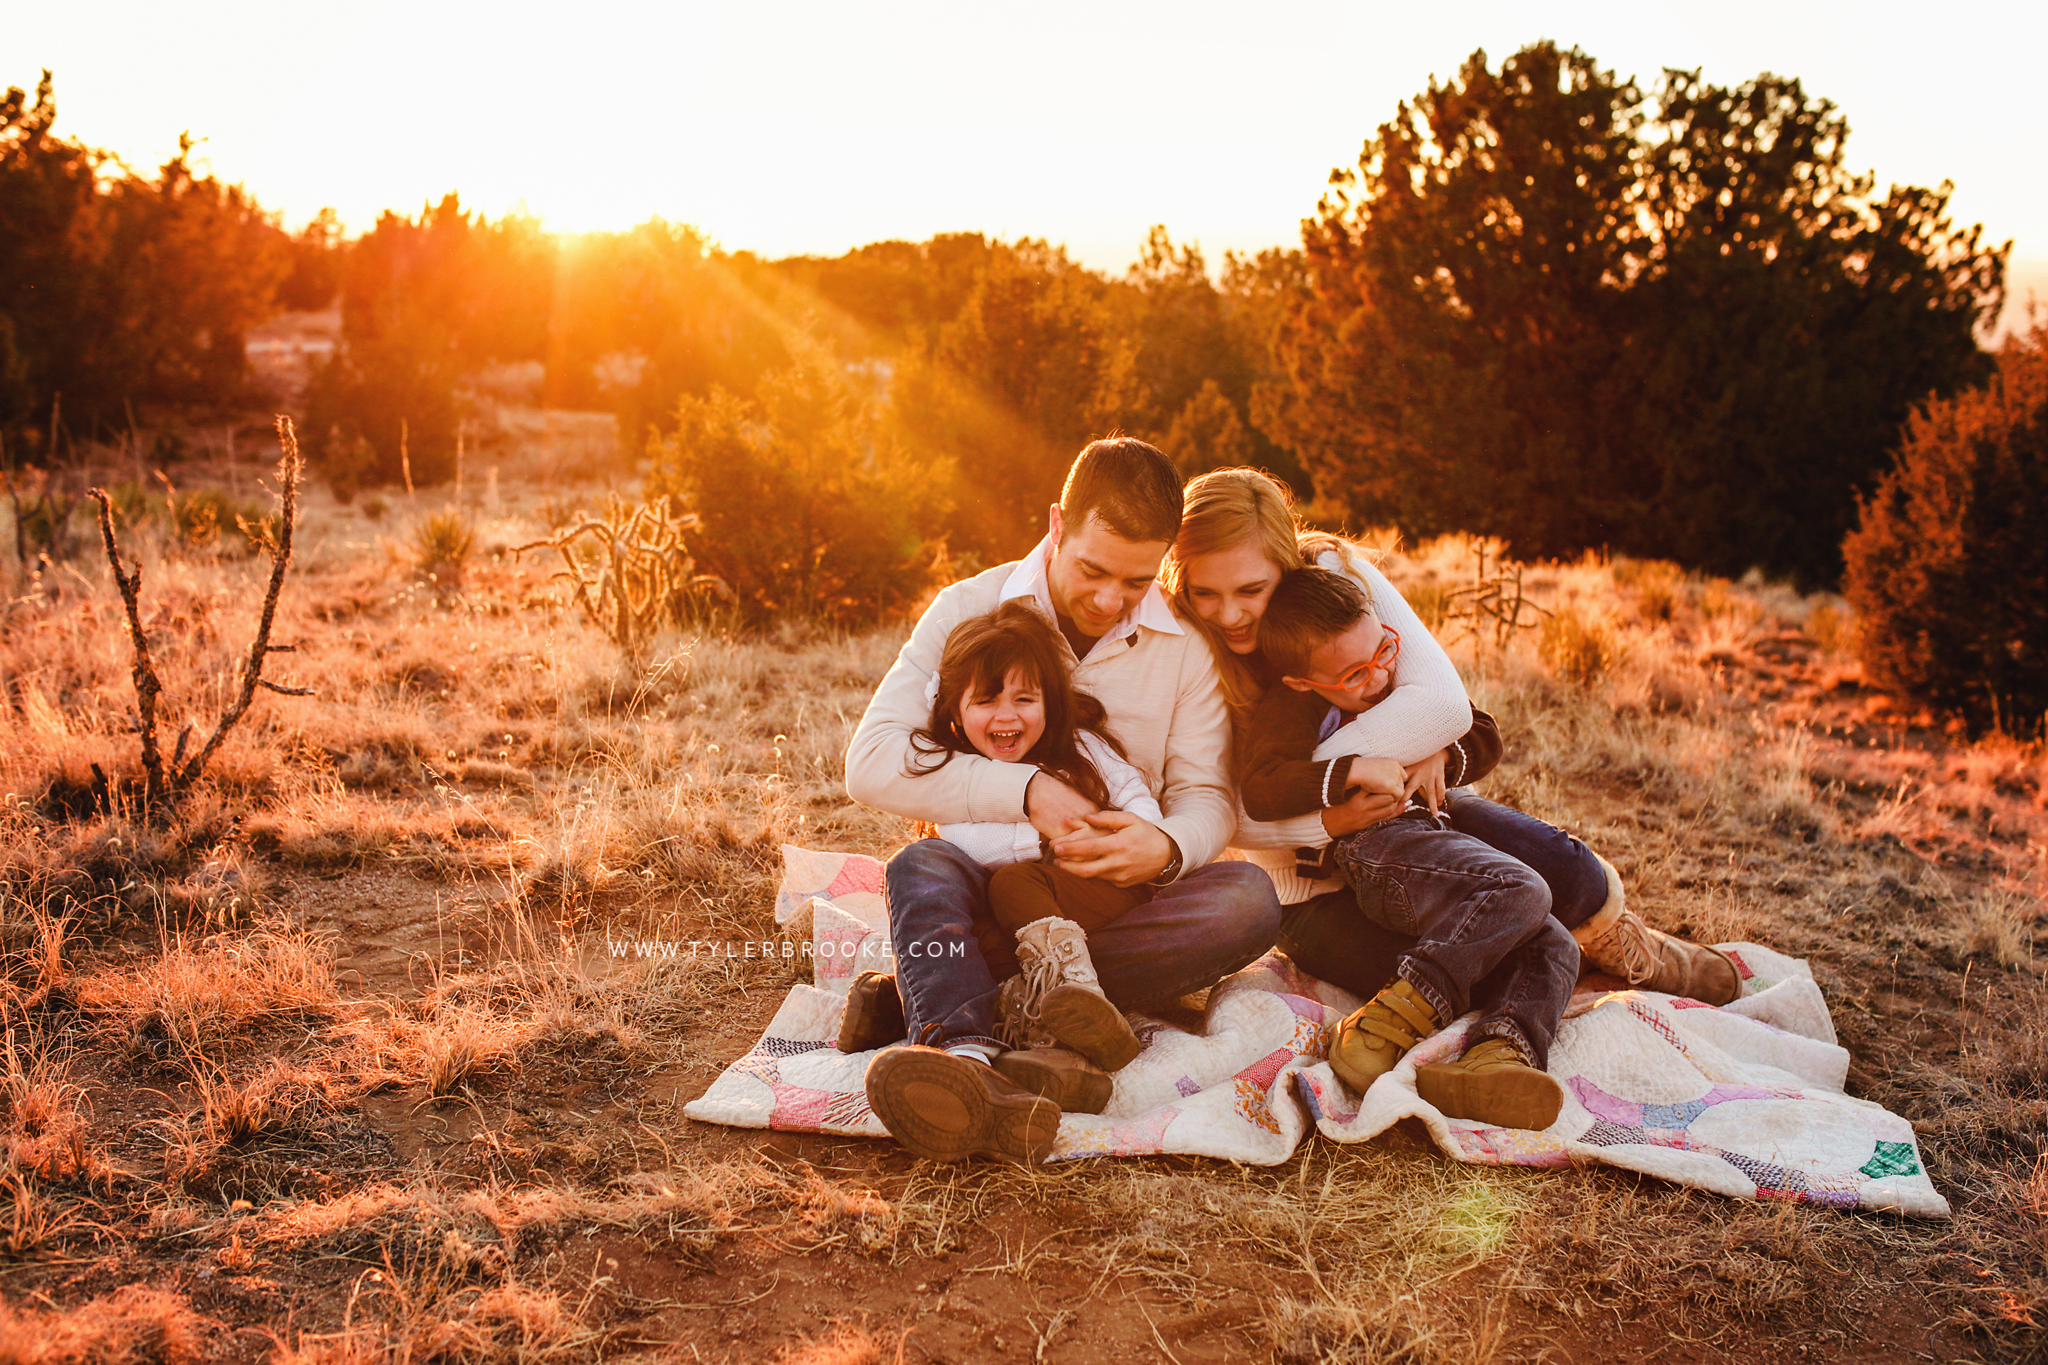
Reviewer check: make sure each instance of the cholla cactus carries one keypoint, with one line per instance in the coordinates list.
(632, 572)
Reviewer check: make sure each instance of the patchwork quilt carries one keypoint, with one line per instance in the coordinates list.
(1745, 1100)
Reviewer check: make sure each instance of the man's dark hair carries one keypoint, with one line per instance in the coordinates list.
(1131, 487)
(1309, 608)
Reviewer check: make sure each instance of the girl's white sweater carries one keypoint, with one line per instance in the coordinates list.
(999, 844)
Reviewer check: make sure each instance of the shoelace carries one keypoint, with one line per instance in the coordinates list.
(1629, 939)
(1022, 1023)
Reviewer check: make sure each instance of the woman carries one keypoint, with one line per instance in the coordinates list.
(1238, 535)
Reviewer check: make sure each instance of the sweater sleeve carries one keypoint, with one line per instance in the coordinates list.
(1427, 708)
(880, 762)
(1476, 754)
(993, 844)
(1276, 778)
(1200, 812)
(1126, 785)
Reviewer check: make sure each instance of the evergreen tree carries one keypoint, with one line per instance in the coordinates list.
(1550, 307)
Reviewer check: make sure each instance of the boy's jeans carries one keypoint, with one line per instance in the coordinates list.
(1189, 935)
(1473, 924)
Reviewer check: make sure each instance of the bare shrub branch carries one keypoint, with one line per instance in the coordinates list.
(165, 787)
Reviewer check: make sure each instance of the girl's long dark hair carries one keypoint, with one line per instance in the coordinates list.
(978, 657)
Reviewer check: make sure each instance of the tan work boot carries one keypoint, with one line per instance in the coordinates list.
(1492, 1083)
(874, 1013)
(948, 1107)
(1374, 1037)
(1064, 996)
(1068, 1079)
(1618, 942)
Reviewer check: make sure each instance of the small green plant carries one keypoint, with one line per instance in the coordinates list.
(441, 545)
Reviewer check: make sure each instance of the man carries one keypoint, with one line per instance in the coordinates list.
(1094, 575)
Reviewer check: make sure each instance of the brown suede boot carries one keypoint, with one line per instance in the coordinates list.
(1374, 1037)
(1492, 1083)
(1618, 942)
(1064, 996)
(874, 1013)
(1068, 1079)
(948, 1107)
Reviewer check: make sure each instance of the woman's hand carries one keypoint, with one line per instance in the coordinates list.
(1362, 810)
(1426, 780)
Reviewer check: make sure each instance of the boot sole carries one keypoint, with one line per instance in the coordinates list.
(1076, 1089)
(937, 1106)
(1505, 1099)
(1087, 1023)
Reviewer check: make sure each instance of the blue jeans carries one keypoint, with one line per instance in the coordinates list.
(1189, 935)
(1474, 912)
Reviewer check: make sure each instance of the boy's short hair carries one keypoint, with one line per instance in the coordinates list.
(1131, 487)
(1310, 606)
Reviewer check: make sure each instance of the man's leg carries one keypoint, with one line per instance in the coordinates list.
(1577, 881)
(936, 894)
(1191, 934)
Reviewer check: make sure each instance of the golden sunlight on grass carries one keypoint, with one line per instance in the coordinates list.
(347, 1033)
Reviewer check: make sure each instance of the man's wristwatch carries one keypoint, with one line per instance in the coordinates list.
(1172, 868)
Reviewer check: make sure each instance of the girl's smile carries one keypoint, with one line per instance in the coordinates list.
(1004, 725)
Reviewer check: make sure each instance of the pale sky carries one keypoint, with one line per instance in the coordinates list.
(813, 127)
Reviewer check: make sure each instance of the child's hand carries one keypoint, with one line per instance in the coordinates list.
(1426, 780)
(1381, 775)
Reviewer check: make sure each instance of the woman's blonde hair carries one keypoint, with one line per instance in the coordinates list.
(1225, 508)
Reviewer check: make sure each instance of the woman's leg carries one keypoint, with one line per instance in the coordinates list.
(1328, 937)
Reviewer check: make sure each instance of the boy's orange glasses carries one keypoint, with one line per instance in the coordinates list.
(1382, 661)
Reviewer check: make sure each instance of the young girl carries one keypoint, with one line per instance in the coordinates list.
(1003, 691)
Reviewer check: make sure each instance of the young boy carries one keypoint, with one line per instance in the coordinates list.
(1481, 920)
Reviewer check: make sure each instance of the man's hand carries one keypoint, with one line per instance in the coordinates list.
(1426, 780)
(1381, 775)
(1121, 848)
(1055, 809)
(1363, 810)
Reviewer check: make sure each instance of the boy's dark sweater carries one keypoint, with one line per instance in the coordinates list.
(1278, 780)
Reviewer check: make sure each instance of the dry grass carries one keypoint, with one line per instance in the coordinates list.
(431, 1152)
(188, 1000)
(135, 1325)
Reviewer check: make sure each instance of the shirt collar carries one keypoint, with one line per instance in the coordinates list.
(1029, 579)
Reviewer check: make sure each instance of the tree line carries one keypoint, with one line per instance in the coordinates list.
(1548, 304)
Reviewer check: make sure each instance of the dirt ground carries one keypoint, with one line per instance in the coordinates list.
(336, 1066)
